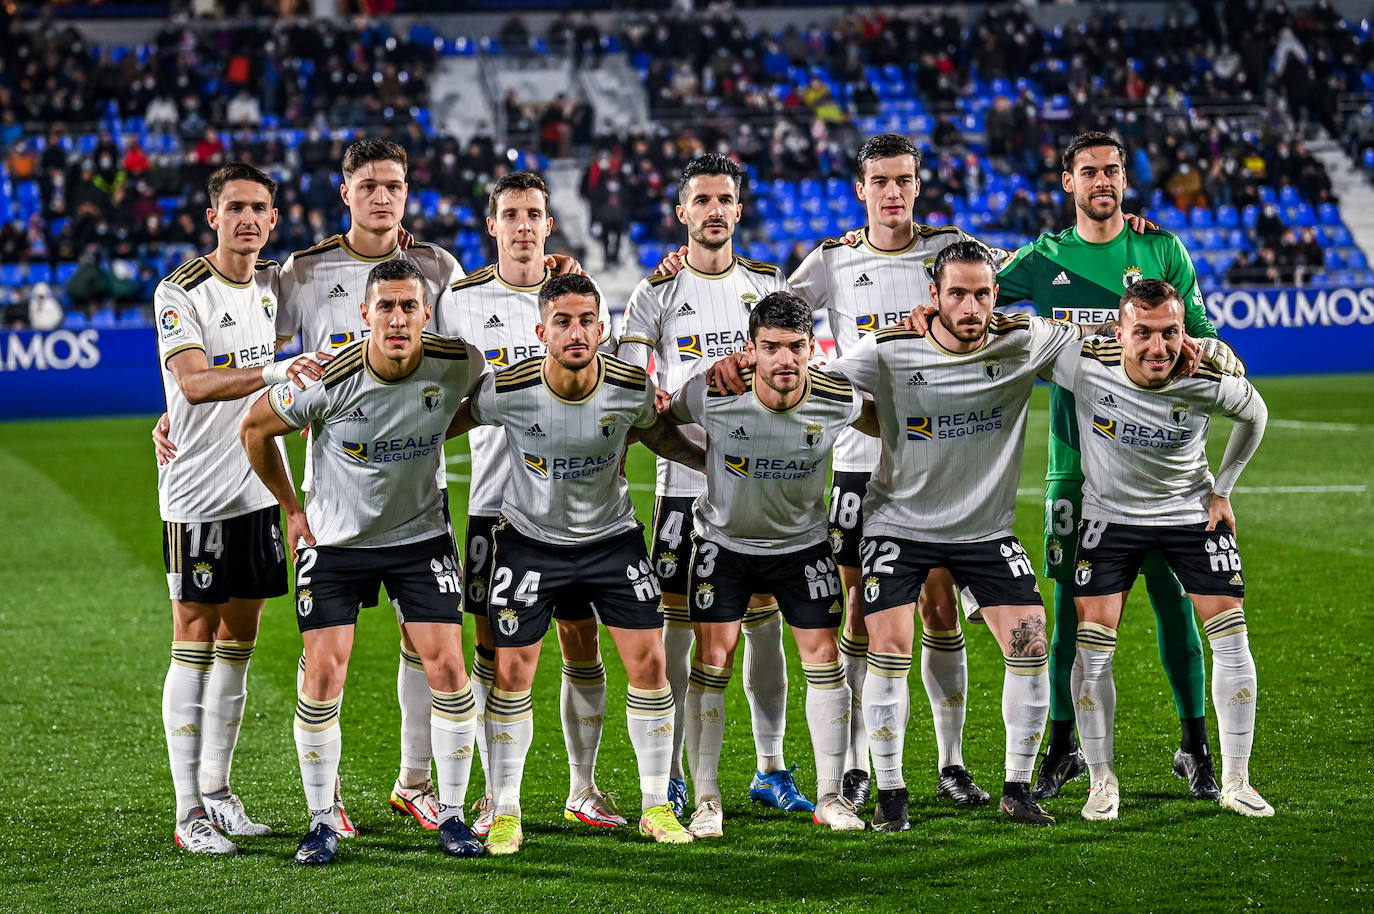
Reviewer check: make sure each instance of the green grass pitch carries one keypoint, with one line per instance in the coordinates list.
(86, 800)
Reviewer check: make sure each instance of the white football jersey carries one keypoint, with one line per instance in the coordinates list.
(568, 488)
(862, 288)
(1145, 449)
(498, 318)
(378, 445)
(953, 426)
(689, 321)
(323, 288)
(232, 323)
(766, 470)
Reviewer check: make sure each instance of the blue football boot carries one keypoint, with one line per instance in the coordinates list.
(677, 796)
(779, 790)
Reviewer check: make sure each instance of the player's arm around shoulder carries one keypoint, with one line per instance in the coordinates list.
(478, 407)
(652, 428)
(687, 405)
(640, 333)
(278, 412)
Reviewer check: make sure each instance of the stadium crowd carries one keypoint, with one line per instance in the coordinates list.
(104, 146)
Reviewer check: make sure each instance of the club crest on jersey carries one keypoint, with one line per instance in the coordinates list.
(1131, 276)
(871, 588)
(689, 347)
(666, 566)
(269, 308)
(992, 369)
(1104, 428)
(813, 435)
(203, 575)
(432, 396)
(477, 590)
(537, 465)
(1179, 413)
(1054, 552)
(749, 300)
(918, 428)
(1083, 573)
(705, 596)
(169, 321)
(738, 466)
(606, 425)
(305, 602)
(355, 449)
(507, 621)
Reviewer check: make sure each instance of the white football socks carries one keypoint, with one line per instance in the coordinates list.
(828, 705)
(887, 705)
(453, 722)
(678, 638)
(510, 730)
(649, 718)
(183, 718)
(705, 719)
(1025, 707)
(483, 673)
(582, 705)
(854, 659)
(319, 746)
(944, 670)
(226, 696)
(765, 684)
(412, 694)
(1094, 696)
(1235, 690)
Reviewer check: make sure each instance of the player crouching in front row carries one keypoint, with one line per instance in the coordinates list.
(1147, 486)
(375, 516)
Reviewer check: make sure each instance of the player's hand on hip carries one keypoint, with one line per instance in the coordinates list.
(672, 262)
(564, 265)
(298, 532)
(1219, 511)
(1139, 224)
(163, 448)
(919, 319)
(662, 400)
(726, 373)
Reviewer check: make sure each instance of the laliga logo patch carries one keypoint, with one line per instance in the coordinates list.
(508, 621)
(1131, 276)
(992, 369)
(1179, 413)
(284, 395)
(170, 322)
(203, 575)
(1054, 552)
(477, 590)
(431, 397)
(305, 602)
(706, 595)
(870, 588)
(1084, 573)
(667, 564)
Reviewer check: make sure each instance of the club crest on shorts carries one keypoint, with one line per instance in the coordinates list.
(507, 621)
(666, 566)
(1054, 552)
(1083, 573)
(203, 575)
(705, 596)
(1179, 413)
(305, 602)
(813, 435)
(871, 588)
(477, 590)
(836, 539)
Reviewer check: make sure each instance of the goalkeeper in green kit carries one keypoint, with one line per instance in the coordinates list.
(1078, 275)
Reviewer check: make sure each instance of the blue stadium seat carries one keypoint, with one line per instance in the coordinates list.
(65, 271)
(1289, 196)
(1267, 194)
(1226, 217)
(1200, 217)
(40, 272)
(1328, 214)
(1172, 218)
(429, 203)
(132, 317)
(648, 257)
(1334, 260)
(1355, 259)
(1237, 239)
(75, 320)
(1302, 215)
(759, 250)
(1210, 240)
(1249, 216)
(1340, 235)
(105, 317)
(1369, 157)
(1204, 268)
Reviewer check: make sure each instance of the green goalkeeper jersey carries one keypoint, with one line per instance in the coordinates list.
(1070, 279)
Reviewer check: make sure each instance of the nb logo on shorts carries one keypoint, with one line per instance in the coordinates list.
(1018, 563)
(1222, 553)
(643, 580)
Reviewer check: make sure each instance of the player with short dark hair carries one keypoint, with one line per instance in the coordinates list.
(374, 516)
(221, 531)
(1078, 275)
(496, 308)
(761, 523)
(702, 312)
(1147, 489)
(952, 411)
(567, 527)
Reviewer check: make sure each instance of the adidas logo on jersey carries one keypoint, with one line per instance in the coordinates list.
(862, 281)
(356, 416)
(740, 434)
(338, 291)
(916, 380)
(493, 321)
(534, 431)
(685, 310)
(1108, 400)
(1061, 280)
(226, 321)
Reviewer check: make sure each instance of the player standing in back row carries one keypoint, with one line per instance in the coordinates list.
(1077, 275)
(701, 313)
(222, 537)
(860, 288)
